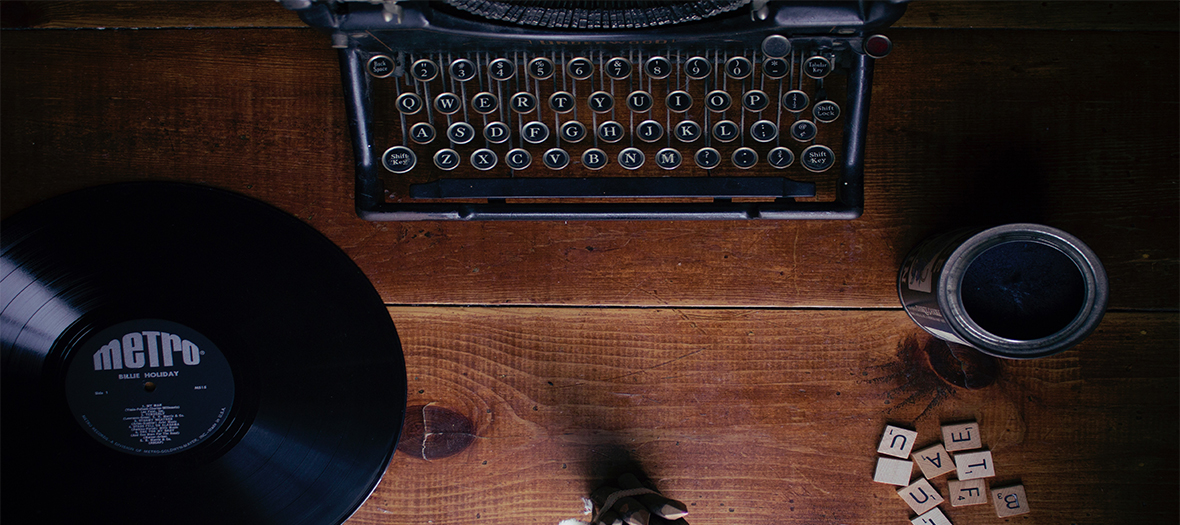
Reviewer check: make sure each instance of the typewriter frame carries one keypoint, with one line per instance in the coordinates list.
(356, 27)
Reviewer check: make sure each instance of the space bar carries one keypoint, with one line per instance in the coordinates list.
(612, 187)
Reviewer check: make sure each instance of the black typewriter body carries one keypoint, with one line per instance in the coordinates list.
(477, 109)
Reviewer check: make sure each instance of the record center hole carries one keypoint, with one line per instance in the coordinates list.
(149, 386)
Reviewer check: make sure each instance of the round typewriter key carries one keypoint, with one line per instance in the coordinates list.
(518, 159)
(775, 68)
(755, 100)
(817, 158)
(447, 103)
(877, 46)
(618, 68)
(795, 101)
(380, 66)
(817, 67)
(573, 131)
(657, 67)
(639, 101)
(496, 132)
(678, 101)
(399, 159)
(726, 131)
(744, 158)
(561, 102)
(579, 68)
(556, 158)
(803, 130)
(409, 103)
(649, 131)
(535, 132)
(460, 133)
(601, 102)
(738, 67)
(446, 159)
(668, 159)
(707, 158)
(826, 111)
(717, 100)
(422, 133)
(541, 68)
(463, 70)
(688, 131)
(594, 158)
(484, 103)
(523, 102)
(764, 131)
(501, 69)
(780, 157)
(631, 158)
(483, 159)
(776, 46)
(610, 131)
(697, 68)
(424, 70)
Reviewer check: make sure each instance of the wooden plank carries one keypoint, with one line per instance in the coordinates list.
(967, 129)
(770, 417)
(146, 14)
(1055, 15)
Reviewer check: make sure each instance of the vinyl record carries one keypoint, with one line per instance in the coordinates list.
(180, 354)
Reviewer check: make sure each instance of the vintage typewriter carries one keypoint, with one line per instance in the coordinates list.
(691, 109)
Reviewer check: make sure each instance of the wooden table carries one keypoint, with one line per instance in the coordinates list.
(748, 368)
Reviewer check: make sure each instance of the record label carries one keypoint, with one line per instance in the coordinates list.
(149, 387)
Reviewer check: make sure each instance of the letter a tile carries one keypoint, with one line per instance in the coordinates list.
(934, 517)
(1010, 501)
(934, 461)
(964, 493)
(963, 436)
(897, 442)
(921, 496)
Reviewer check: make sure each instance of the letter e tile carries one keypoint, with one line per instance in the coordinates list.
(963, 436)
(934, 461)
(1010, 501)
(897, 442)
(921, 496)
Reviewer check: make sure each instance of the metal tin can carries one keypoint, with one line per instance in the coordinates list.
(1017, 291)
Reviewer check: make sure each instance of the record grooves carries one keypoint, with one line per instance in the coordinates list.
(180, 354)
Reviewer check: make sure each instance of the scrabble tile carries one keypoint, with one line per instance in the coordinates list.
(934, 517)
(974, 465)
(921, 496)
(962, 436)
(934, 461)
(964, 493)
(897, 442)
(893, 471)
(1010, 501)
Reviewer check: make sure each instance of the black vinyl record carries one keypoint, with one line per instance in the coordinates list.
(179, 354)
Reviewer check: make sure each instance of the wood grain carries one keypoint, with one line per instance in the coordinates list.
(769, 417)
(967, 129)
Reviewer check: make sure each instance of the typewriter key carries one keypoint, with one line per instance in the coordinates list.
(460, 133)
(776, 46)
(579, 68)
(639, 101)
(668, 159)
(380, 66)
(541, 68)
(688, 131)
(775, 68)
(463, 70)
(409, 103)
(804, 130)
(447, 103)
(755, 100)
(738, 67)
(483, 159)
(697, 68)
(535, 132)
(556, 158)
(678, 101)
(744, 158)
(658, 67)
(631, 158)
(601, 102)
(422, 133)
(399, 159)
(795, 101)
(484, 103)
(817, 67)
(764, 131)
(610, 131)
(524, 102)
(817, 158)
(446, 159)
(594, 158)
(424, 70)
(573, 131)
(718, 101)
(649, 131)
(726, 131)
(496, 132)
(707, 158)
(780, 157)
(618, 68)
(501, 69)
(518, 159)
(826, 111)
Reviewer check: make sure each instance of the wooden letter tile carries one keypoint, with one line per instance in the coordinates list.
(893, 471)
(974, 465)
(964, 493)
(921, 496)
(934, 517)
(1010, 501)
(934, 461)
(897, 442)
(963, 436)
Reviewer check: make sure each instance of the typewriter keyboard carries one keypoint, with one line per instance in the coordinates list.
(651, 113)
